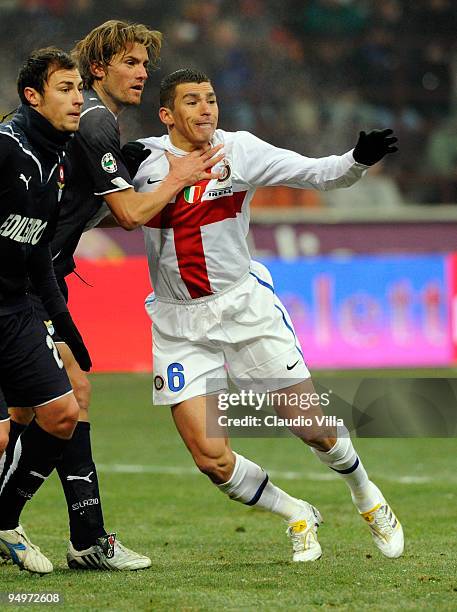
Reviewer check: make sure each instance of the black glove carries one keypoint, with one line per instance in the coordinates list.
(134, 154)
(69, 333)
(372, 147)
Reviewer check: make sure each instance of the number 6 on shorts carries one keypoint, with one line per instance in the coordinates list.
(175, 376)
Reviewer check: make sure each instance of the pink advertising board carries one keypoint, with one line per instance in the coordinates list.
(356, 312)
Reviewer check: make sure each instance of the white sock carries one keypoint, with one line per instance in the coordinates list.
(343, 459)
(250, 485)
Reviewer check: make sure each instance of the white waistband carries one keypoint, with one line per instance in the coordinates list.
(205, 298)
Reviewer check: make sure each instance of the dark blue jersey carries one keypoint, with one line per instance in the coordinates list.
(32, 182)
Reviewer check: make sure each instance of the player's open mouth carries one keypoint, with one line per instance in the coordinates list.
(137, 87)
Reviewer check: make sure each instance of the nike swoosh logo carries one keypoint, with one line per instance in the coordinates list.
(149, 181)
(293, 366)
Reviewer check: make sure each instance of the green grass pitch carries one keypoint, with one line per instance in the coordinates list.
(210, 553)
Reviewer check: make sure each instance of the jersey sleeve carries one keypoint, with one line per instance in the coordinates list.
(99, 139)
(258, 163)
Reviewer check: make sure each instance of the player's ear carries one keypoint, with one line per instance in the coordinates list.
(97, 70)
(166, 116)
(32, 96)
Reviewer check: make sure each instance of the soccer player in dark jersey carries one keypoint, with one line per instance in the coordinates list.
(32, 165)
(113, 60)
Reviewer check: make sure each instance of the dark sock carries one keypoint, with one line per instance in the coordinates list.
(35, 456)
(15, 431)
(78, 476)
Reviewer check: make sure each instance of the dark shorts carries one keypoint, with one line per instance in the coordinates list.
(31, 370)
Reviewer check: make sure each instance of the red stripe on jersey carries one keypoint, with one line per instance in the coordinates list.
(187, 220)
(191, 260)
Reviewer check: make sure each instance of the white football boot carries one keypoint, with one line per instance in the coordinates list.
(303, 534)
(106, 554)
(16, 546)
(385, 527)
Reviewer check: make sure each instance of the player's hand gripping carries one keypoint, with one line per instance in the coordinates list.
(194, 167)
(372, 147)
(68, 331)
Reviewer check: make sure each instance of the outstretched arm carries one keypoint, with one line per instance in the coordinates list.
(107, 167)
(132, 209)
(259, 163)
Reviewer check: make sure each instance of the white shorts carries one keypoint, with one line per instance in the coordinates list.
(244, 331)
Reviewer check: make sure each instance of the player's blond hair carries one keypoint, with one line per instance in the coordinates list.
(110, 39)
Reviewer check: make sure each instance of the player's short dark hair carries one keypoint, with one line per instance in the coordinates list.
(110, 39)
(171, 81)
(39, 66)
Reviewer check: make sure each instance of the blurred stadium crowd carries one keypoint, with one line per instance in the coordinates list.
(302, 74)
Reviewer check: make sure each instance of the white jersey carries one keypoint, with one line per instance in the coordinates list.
(196, 245)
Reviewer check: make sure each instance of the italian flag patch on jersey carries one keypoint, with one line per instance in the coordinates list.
(192, 194)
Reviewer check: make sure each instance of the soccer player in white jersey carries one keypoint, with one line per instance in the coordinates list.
(214, 307)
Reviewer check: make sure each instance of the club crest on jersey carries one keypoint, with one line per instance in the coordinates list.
(225, 172)
(61, 182)
(192, 194)
(109, 163)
